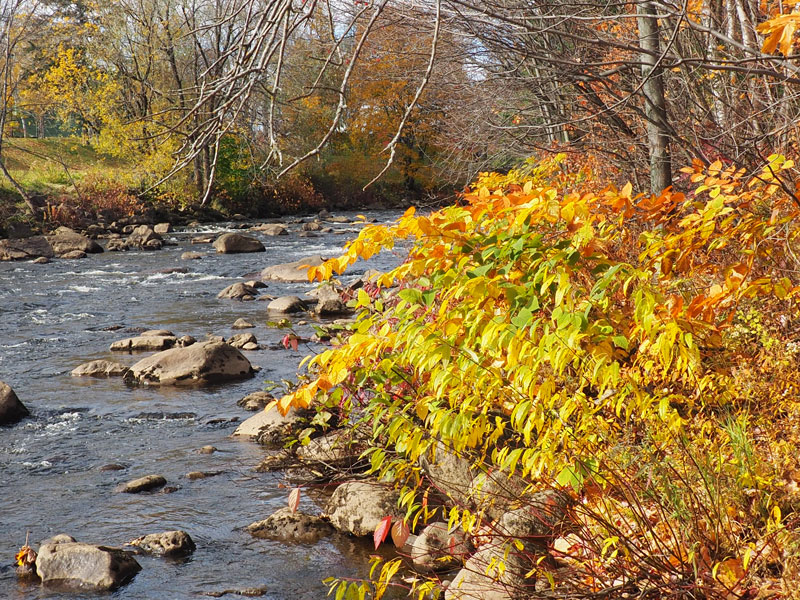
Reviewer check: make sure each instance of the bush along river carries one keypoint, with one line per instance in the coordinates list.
(63, 467)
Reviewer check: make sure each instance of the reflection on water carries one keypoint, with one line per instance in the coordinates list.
(55, 474)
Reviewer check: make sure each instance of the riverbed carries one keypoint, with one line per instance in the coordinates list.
(55, 316)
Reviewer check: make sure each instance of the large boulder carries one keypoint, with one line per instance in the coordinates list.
(99, 368)
(286, 305)
(64, 241)
(236, 243)
(167, 543)
(25, 249)
(336, 449)
(494, 493)
(145, 343)
(198, 364)
(293, 272)
(11, 409)
(538, 521)
(286, 526)
(358, 507)
(75, 564)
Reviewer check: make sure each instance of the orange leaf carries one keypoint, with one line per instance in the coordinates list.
(381, 531)
(400, 533)
(294, 499)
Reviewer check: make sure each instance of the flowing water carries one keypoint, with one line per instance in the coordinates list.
(56, 316)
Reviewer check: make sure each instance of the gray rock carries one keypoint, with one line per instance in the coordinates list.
(185, 340)
(236, 243)
(65, 241)
(255, 401)
(329, 301)
(286, 305)
(11, 409)
(270, 427)
(272, 229)
(142, 236)
(293, 272)
(483, 579)
(153, 245)
(116, 245)
(167, 543)
(195, 475)
(74, 564)
(339, 219)
(142, 484)
(145, 343)
(240, 340)
(538, 521)
(205, 238)
(198, 364)
(255, 283)
(285, 526)
(496, 492)
(26, 249)
(99, 368)
(73, 255)
(191, 256)
(250, 346)
(312, 226)
(452, 475)
(238, 291)
(157, 332)
(438, 548)
(335, 449)
(207, 450)
(358, 507)
(42, 260)
(161, 228)
(242, 324)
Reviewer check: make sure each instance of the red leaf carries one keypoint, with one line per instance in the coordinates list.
(294, 499)
(285, 341)
(400, 533)
(382, 530)
(293, 342)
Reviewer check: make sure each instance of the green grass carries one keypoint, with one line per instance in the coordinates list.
(51, 166)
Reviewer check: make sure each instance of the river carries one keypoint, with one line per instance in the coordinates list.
(55, 316)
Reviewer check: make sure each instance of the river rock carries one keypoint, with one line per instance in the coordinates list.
(255, 401)
(286, 305)
(339, 219)
(286, 526)
(438, 548)
(238, 291)
(270, 427)
(66, 241)
(242, 324)
(42, 260)
(495, 492)
(26, 249)
(73, 255)
(161, 228)
(145, 343)
(142, 484)
(538, 521)
(358, 507)
(335, 449)
(293, 272)
(75, 564)
(452, 475)
(482, 579)
(11, 409)
(312, 226)
(191, 256)
(157, 332)
(244, 341)
(272, 229)
(205, 238)
(99, 368)
(236, 243)
(116, 245)
(256, 283)
(329, 301)
(144, 237)
(200, 363)
(167, 543)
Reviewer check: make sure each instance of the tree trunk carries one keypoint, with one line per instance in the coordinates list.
(655, 106)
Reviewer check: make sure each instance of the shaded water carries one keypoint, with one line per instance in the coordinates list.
(54, 317)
